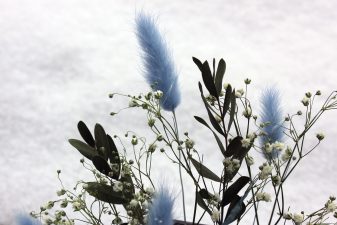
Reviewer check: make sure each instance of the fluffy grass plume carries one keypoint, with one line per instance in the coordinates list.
(159, 69)
(272, 115)
(23, 219)
(160, 212)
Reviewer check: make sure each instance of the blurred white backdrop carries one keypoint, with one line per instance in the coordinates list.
(59, 59)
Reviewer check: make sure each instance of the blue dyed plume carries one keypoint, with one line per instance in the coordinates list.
(160, 212)
(159, 69)
(26, 220)
(271, 114)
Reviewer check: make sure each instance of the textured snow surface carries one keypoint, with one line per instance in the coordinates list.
(59, 60)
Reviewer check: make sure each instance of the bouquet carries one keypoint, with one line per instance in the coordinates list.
(122, 190)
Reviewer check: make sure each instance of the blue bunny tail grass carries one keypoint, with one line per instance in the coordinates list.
(161, 208)
(271, 114)
(23, 219)
(159, 69)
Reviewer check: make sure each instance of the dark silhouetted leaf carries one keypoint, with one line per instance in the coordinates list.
(85, 133)
(205, 194)
(202, 203)
(204, 171)
(83, 148)
(227, 100)
(202, 121)
(234, 146)
(101, 165)
(241, 153)
(101, 141)
(234, 189)
(105, 193)
(114, 157)
(198, 63)
(232, 111)
(214, 123)
(208, 79)
(235, 210)
(213, 74)
(220, 72)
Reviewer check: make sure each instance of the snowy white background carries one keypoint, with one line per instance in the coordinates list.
(59, 60)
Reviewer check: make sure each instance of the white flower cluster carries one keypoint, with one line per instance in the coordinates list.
(265, 171)
(215, 215)
(231, 165)
(278, 146)
(263, 196)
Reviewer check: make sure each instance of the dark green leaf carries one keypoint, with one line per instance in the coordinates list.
(205, 194)
(241, 153)
(234, 189)
(214, 123)
(101, 165)
(202, 203)
(235, 211)
(232, 111)
(227, 100)
(101, 141)
(105, 193)
(114, 157)
(202, 121)
(220, 72)
(198, 63)
(83, 148)
(208, 79)
(213, 74)
(204, 171)
(234, 146)
(85, 133)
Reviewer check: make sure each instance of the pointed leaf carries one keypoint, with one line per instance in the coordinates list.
(208, 79)
(234, 146)
(101, 165)
(213, 74)
(232, 111)
(227, 100)
(101, 141)
(234, 189)
(105, 193)
(235, 210)
(220, 72)
(85, 134)
(202, 121)
(204, 171)
(114, 158)
(83, 148)
(198, 63)
(214, 123)
(202, 203)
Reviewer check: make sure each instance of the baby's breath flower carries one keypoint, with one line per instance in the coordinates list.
(189, 143)
(225, 85)
(265, 171)
(118, 186)
(247, 112)
(263, 196)
(247, 81)
(64, 203)
(278, 145)
(331, 206)
(149, 190)
(133, 103)
(308, 94)
(287, 216)
(305, 101)
(287, 154)
(318, 92)
(133, 203)
(246, 142)
(276, 180)
(298, 217)
(239, 93)
(268, 148)
(61, 192)
(215, 215)
(158, 94)
(160, 137)
(320, 136)
(151, 122)
(134, 141)
(152, 147)
(77, 205)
